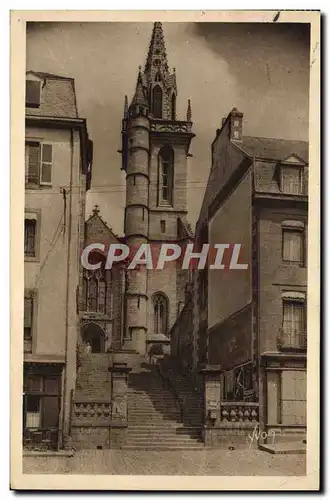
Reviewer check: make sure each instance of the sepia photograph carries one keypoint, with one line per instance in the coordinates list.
(168, 292)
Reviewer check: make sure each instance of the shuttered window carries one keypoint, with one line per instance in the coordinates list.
(38, 163)
(293, 245)
(294, 323)
(46, 164)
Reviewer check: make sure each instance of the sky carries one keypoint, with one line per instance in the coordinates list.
(261, 68)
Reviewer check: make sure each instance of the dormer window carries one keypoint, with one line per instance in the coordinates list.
(32, 94)
(292, 175)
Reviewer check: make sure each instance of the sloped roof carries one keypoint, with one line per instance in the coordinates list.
(58, 97)
(97, 231)
(266, 178)
(274, 149)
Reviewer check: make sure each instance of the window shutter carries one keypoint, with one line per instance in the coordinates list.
(46, 164)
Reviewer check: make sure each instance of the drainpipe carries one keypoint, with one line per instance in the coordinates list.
(66, 391)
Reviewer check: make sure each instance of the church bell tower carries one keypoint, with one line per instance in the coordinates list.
(155, 147)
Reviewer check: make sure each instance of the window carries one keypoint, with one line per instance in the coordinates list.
(97, 290)
(293, 245)
(165, 176)
(38, 163)
(294, 321)
(32, 94)
(173, 104)
(163, 226)
(158, 77)
(160, 305)
(157, 102)
(41, 408)
(30, 226)
(28, 321)
(291, 180)
(28, 314)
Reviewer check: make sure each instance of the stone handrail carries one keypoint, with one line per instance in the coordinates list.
(239, 412)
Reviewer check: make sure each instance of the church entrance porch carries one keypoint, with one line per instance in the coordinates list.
(94, 336)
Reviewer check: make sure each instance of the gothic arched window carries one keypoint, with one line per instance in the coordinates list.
(173, 106)
(92, 294)
(165, 175)
(160, 305)
(157, 102)
(158, 77)
(97, 289)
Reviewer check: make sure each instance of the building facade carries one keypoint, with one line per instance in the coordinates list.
(155, 148)
(57, 174)
(250, 323)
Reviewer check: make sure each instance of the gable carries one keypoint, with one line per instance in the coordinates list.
(31, 75)
(96, 231)
(293, 160)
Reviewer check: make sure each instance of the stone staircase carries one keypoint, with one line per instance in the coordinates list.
(154, 415)
(189, 397)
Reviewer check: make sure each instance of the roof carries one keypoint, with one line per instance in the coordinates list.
(58, 97)
(274, 149)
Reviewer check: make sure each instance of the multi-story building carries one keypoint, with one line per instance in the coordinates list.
(57, 175)
(251, 322)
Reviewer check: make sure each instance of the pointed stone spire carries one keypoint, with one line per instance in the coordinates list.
(189, 111)
(156, 59)
(139, 96)
(126, 107)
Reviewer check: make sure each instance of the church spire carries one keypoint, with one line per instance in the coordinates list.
(157, 58)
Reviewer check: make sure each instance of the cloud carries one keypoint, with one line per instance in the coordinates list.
(261, 69)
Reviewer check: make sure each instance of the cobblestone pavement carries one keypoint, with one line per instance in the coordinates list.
(187, 462)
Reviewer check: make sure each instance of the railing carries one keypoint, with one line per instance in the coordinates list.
(100, 411)
(27, 345)
(239, 413)
(40, 439)
(92, 410)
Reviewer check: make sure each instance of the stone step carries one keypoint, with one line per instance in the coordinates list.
(148, 440)
(165, 432)
(164, 447)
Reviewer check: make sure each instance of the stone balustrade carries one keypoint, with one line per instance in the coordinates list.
(171, 126)
(92, 410)
(239, 413)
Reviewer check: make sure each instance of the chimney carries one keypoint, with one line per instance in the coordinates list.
(236, 125)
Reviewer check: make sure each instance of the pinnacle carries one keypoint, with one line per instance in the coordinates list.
(139, 96)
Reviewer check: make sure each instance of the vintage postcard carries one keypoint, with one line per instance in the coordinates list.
(165, 183)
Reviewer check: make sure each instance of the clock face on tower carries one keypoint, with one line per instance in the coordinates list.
(157, 62)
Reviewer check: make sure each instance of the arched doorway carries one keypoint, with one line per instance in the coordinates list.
(94, 334)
